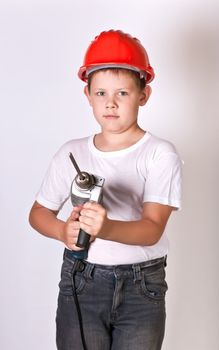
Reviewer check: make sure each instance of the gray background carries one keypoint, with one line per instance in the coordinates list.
(42, 106)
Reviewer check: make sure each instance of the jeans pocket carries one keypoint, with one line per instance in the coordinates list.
(153, 284)
(66, 282)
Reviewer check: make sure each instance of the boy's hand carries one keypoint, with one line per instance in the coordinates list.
(71, 229)
(92, 218)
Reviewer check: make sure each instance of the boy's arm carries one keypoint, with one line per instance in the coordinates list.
(45, 221)
(146, 231)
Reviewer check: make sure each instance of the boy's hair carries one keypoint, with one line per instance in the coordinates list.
(140, 82)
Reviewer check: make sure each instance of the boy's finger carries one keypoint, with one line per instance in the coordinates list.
(74, 215)
(92, 205)
(88, 213)
(77, 208)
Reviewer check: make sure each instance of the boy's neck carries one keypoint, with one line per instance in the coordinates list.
(108, 142)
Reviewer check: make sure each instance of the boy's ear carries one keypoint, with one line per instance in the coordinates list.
(87, 94)
(145, 95)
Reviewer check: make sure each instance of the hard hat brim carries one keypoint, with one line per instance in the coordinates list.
(84, 71)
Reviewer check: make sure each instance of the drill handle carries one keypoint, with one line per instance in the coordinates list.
(83, 240)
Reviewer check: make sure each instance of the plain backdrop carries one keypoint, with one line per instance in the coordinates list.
(42, 106)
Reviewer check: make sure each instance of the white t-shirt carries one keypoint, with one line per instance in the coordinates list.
(148, 171)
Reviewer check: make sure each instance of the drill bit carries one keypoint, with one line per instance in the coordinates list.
(81, 176)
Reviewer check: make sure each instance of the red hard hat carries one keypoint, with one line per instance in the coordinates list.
(116, 49)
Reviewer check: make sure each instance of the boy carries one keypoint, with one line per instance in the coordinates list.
(119, 289)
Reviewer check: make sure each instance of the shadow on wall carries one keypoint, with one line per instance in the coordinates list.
(199, 56)
(198, 59)
(196, 48)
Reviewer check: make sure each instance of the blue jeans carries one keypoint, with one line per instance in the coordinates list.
(122, 307)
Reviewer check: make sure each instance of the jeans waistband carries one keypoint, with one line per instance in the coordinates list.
(68, 254)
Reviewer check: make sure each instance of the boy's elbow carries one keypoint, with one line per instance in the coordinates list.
(31, 217)
(34, 214)
(156, 236)
(153, 241)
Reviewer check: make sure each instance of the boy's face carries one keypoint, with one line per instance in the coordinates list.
(115, 99)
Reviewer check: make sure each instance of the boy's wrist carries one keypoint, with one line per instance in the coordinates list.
(106, 229)
(60, 230)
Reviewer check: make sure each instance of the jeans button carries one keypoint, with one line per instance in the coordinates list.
(80, 266)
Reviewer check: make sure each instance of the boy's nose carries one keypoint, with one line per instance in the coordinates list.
(111, 103)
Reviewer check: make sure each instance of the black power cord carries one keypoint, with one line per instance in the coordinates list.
(77, 267)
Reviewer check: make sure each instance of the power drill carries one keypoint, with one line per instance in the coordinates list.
(85, 187)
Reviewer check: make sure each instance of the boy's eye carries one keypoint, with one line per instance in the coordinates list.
(123, 93)
(100, 93)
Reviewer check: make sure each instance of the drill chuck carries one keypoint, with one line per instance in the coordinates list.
(86, 181)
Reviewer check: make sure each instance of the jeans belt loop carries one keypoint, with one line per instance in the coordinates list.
(88, 270)
(137, 272)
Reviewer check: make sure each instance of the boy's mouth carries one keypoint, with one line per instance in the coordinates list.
(110, 116)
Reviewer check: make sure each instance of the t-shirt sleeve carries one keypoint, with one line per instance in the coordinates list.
(54, 190)
(164, 180)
